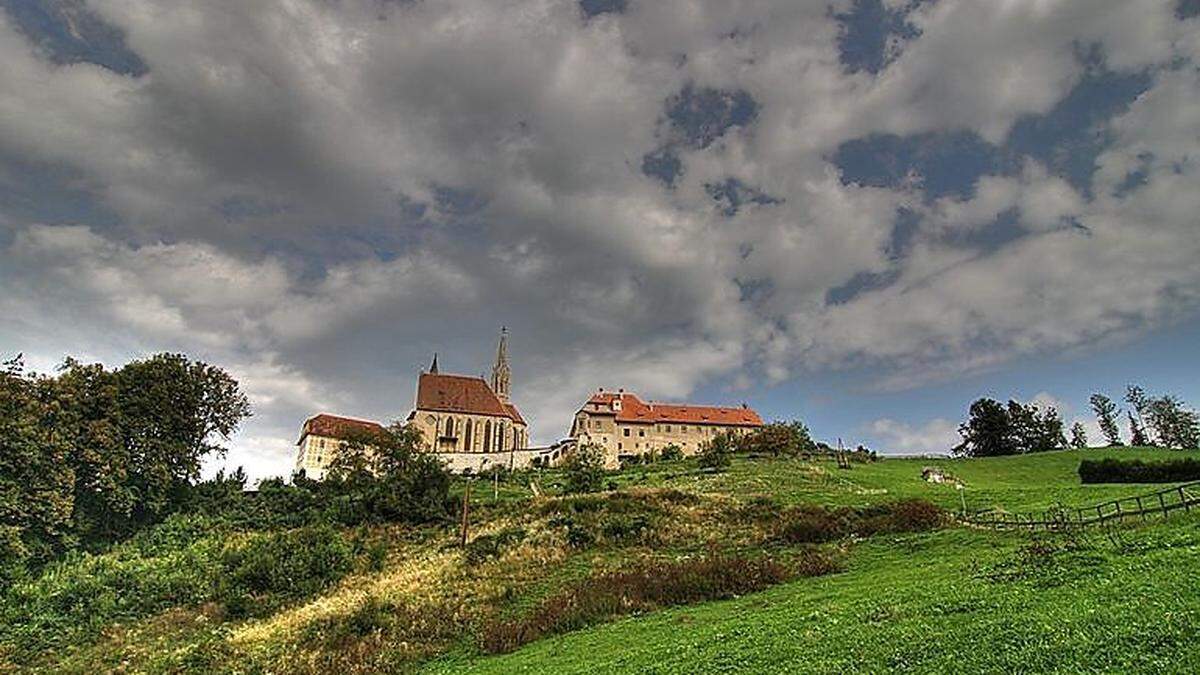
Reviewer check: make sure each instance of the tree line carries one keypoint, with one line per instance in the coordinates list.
(90, 456)
(994, 429)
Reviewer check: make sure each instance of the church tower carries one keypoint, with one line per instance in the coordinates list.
(501, 373)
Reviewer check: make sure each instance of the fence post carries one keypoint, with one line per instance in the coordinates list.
(1162, 504)
(1183, 498)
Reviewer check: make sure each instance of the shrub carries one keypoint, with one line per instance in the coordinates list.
(906, 515)
(274, 568)
(584, 469)
(714, 454)
(1137, 471)
(646, 588)
(488, 546)
(671, 453)
(812, 525)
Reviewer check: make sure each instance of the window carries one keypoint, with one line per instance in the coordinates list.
(642, 433)
(619, 445)
(668, 428)
(626, 432)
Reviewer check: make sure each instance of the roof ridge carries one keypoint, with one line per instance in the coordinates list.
(343, 417)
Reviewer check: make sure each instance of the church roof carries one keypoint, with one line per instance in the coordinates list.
(336, 426)
(633, 409)
(462, 394)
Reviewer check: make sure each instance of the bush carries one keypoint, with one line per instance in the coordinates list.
(714, 454)
(671, 453)
(1137, 471)
(646, 588)
(811, 524)
(584, 469)
(488, 546)
(274, 568)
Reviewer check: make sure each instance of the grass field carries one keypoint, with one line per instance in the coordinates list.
(956, 599)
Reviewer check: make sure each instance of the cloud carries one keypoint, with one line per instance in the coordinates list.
(320, 196)
(937, 436)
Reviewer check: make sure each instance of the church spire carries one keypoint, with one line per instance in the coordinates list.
(433, 369)
(501, 373)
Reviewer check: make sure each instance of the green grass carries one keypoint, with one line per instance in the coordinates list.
(957, 599)
(950, 601)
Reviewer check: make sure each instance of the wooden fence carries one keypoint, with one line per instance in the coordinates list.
(1184, 496)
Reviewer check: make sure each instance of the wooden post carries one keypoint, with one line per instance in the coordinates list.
(1162, 503)
(1183, 498)
(466, 502)
(1141, 511)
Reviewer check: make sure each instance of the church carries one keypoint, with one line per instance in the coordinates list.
(469, 423)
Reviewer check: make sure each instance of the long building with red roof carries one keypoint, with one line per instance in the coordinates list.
(624, 425)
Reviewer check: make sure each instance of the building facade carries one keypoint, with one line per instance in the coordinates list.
(322, 436)
(625, 426)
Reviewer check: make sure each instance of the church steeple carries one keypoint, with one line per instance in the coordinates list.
(501, 373)
(433, 369)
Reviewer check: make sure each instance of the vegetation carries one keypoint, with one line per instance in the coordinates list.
(715, 452)
(993, 430)
(584, 468)
(1137, 471)
(1106, 417)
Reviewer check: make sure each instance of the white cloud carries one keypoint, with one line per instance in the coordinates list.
(937, 436)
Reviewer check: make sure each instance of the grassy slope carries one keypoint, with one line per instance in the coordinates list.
(951, 600)
(955, 600)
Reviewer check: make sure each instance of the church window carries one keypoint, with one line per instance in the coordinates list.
(467, 429)
(487, 436)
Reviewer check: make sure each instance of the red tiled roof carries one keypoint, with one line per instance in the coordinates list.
(634, 409)
(462, 394)
(335, 426)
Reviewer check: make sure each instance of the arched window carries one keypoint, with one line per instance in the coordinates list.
(450, 427)
(487, 436)
(467, 428)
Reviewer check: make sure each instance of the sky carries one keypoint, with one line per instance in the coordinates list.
(863, 214)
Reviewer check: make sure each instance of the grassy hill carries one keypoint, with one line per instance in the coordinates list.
(950, 599)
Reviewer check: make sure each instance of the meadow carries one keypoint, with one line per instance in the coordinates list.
(872, 591)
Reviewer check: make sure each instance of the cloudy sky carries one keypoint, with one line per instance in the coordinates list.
(861, 213)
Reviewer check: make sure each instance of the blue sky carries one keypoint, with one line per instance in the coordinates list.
(861, 213)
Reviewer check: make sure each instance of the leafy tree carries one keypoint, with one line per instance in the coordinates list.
(987, 432)
(36, 480)
(1174, 424)
(1079, 439)
(1136, 397)
(778, 438)
(1106, 416)
(1137, 435)
(671, 453)
(1035, 429)
(584, 469)
(716, 451)
(386, 476)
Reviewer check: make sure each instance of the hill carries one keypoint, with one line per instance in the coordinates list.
(823, 569)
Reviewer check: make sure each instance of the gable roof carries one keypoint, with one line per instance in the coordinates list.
(336, 426)
(462, 394)
(634, 409)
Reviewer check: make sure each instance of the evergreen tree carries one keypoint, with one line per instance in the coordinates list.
(1106, 416)
(1078, 437)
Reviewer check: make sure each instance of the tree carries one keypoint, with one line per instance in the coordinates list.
(36, 480)
(584, 469)
(778, 438)
(385, 476)
(716, 451)
(1078, 437)
(1174, 424)
(1106, 416)
(1136, 397)
(1137, 435)
(987, 432)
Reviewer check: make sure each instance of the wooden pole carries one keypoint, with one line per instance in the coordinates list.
(466, 502)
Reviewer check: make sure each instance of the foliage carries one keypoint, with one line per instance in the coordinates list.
(1079, 439)
(92, 455)
(812, 524)
(583, 469)
(487, 546)
(1137, 471)
(1137, 435)
(645, 588)
(671, 453)
(1106, 417)
(994, 430)
(779, 438)
(716, 451)
(281, 566)
(1174, 424)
